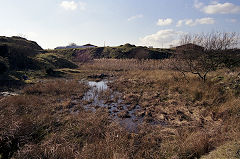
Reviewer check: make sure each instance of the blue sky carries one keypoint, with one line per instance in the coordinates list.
(142, 22)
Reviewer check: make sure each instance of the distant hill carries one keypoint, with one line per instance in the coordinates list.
(119, 52)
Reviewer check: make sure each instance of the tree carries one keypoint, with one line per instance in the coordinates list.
(202, 53)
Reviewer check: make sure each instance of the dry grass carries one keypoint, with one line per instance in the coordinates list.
(126, 64)
(203, 114)
(199, 116)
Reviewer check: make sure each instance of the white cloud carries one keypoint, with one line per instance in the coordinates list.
(180, 23)
(205, 21)
(198, 4)
(164, 22)
(218, 8)
(191, 22)
(135, 17)
(72, 5)
(163, 38)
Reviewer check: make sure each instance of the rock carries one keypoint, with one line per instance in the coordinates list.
(123, 114)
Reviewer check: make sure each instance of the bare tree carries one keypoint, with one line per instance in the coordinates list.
(202, 53)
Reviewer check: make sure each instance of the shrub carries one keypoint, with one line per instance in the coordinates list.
(3, 65)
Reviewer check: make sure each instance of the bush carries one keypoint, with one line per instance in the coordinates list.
(3, 65)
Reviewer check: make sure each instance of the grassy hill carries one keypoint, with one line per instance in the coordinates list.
(126, 51)
(19, 56)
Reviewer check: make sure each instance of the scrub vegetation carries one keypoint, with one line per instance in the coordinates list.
(151, 108)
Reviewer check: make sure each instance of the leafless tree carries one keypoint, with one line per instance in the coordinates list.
(202, 53)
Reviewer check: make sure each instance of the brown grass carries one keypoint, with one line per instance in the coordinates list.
(199, 116)
(126, 64)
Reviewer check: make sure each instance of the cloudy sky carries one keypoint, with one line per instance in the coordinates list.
(156, 23)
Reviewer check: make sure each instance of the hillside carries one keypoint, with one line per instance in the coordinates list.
(19, 52)
(18, 56)
(126, 51)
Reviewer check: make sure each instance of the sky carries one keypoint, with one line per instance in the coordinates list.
(157, 23)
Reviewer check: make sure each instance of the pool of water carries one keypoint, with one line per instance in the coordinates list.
(94, 98)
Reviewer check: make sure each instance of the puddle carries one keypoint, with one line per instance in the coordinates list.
(6, 94)
(100, 86)
(100, 95)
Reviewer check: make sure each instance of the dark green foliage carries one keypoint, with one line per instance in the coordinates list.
(3, 50)
(3, 65)
(231, 58)
(20, 52)
(49, 71)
